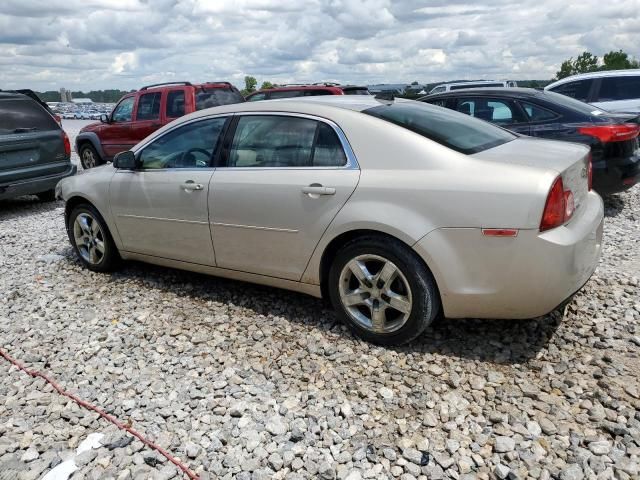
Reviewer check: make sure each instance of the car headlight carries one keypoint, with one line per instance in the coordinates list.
(59, 190)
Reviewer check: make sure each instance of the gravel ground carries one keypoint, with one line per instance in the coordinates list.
(241, 381)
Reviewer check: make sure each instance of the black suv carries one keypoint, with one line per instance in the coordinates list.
(35, 153)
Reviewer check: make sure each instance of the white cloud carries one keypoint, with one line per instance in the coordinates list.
(92, 44)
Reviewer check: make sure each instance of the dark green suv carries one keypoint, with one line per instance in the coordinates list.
(35, 153)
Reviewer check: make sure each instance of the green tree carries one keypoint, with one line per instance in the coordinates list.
(249, 85)
(266, 84)
(584, 63)
(618, 61)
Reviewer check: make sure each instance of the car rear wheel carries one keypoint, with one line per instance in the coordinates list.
(89, 158)
(91, 240)
(383, 291)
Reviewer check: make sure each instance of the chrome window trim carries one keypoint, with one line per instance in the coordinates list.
(352, 162)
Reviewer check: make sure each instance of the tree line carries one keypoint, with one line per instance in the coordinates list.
(587, 62)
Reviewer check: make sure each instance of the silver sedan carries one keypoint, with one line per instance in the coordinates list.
(396, 211)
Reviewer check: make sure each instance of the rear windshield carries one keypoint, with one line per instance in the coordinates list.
(455, 130)
(215, 97)
(356, 91)
(570, 103)
(475, 85)
(23, 115)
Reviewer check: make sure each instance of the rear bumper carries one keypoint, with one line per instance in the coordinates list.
(616, 175)
(515, 278)
(34, 185)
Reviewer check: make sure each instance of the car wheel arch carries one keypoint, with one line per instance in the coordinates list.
(334, 246)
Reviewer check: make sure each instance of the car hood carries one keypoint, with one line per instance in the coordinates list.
(92, 127)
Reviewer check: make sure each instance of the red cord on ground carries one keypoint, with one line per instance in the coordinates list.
(103, 414)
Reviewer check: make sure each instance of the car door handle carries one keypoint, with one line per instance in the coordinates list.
(315, 189)
(190, 186)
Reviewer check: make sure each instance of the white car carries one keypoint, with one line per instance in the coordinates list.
(613, 90)
(448, 87)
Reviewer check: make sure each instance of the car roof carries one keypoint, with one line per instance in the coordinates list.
(600, 74)
(470, 82)
(11, 95)
(518, 92)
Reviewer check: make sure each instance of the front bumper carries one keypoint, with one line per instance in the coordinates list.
(515, 278)
(35, 185)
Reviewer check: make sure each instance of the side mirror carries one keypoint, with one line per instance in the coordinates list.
(125, 160)
(104, 118)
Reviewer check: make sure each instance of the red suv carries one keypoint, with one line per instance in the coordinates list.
(141, 113)
(301, 90)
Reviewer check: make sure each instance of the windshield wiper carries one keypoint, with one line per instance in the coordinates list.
(25, 130)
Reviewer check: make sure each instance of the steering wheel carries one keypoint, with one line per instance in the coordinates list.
(199, 163)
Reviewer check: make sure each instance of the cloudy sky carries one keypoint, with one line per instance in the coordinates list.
(96, 44)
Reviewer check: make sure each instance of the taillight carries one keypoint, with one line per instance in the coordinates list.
(67, 143)
(559, 207)
(611, 133)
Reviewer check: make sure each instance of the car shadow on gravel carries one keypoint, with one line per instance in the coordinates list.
(613, 205)
(492, 341)
(25, 206)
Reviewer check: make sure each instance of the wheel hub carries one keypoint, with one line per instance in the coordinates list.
(375, 293)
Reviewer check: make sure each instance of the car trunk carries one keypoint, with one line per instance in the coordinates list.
(567, 159)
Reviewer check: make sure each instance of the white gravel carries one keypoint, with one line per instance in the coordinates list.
(246, 382)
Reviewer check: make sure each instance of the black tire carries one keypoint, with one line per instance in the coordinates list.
(425, 303)
(89, 157)
(48, 196)
(110, 259)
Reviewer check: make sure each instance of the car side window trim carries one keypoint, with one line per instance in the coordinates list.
(223, 159)
(216, 152)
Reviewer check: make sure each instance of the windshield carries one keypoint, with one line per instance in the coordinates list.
(455, 130)
(215, 97)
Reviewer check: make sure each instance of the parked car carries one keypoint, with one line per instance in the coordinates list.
(303, 90)
(392, 210)
(35, 152)
(613, 138)
(447, 87)
(141, 113)
(613, 90)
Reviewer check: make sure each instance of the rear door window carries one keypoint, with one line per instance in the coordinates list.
(578, 89)
(535, 113)
(214, 97)
(149, 106)
(21, 115)
(274, 141)
(175, 104)
(256, 97)
(451, 129)
(619, 88)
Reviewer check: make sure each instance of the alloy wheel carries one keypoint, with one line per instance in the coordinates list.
(89, 238)
(88, 158)
(375, 293)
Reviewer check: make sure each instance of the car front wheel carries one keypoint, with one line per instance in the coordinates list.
(89, 158)
(91, 240)
(383, 291)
